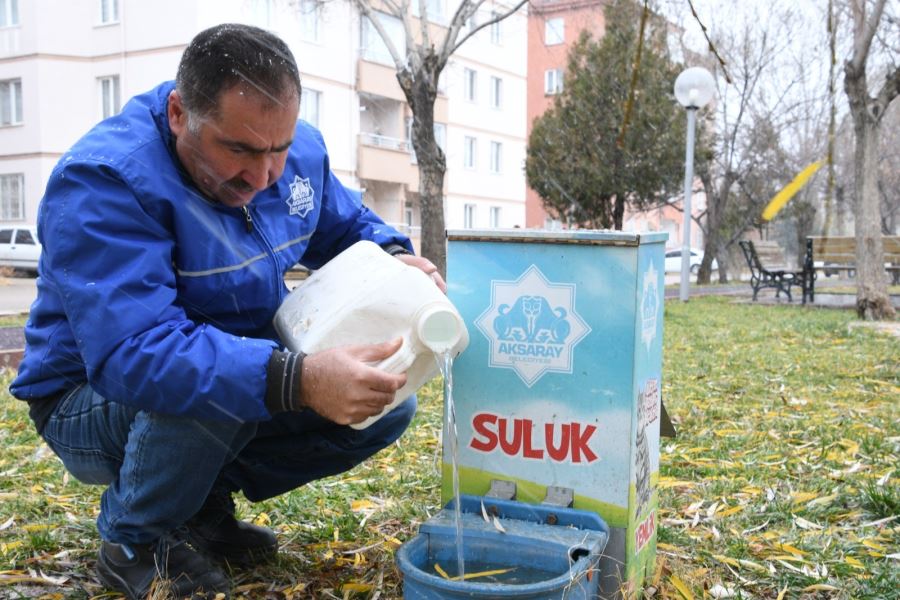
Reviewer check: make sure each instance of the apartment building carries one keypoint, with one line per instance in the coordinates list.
(553, 27)
(67, 64)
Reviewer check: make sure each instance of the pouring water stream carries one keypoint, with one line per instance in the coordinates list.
(445, 362)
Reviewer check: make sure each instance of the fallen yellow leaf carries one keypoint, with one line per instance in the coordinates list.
(681, 587)
(484, 574)
(667, 547)
(820, 587)
(854, 562)
(800, 497)
(874, 545)
(729, 511)
(359, 588)
(824, 500)
(791, 549)
(782, 593)
(727, 560)
(752, 565)
(358, 505)
(7, 547)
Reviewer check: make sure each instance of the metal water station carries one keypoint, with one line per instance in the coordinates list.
(558, 395)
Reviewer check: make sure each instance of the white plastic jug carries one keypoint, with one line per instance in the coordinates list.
(366, 296)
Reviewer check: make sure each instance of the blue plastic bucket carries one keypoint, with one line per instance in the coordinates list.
(558, 547)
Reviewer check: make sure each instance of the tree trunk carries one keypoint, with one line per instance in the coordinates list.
(618, 211)
(421, 91)
(716, 199)
(872, 300)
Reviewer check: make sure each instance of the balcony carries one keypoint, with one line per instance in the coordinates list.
(381, 80)
(383, 158)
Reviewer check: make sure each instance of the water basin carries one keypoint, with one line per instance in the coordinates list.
(543, 552)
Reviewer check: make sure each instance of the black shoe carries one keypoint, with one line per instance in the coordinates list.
(215, 531)
(168, 568)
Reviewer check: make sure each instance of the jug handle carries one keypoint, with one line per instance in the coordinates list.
(400, 361)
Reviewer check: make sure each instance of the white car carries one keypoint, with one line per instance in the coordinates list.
(19, 247)
(673, 261)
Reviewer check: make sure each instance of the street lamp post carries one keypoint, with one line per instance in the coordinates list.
(694, 88)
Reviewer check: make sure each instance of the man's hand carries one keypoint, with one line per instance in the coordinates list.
(425, 265)
(339, 385)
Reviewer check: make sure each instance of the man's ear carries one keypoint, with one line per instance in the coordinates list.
(176, 113)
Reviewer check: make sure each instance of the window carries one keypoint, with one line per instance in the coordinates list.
(12, 197)
(434, 8)
(309, 106)
(9, 13)
(468, 216)
(262, 12)
(6, 236)
(440, 136)
(496, 156)
(373, 47)
(496, 32)
(309, 20)
(553, 81)
(469, 144)
(471, 23)
(11, 102)
(552, 224)
(495, 216)
(470, 84)
(496, 92)
(23, 236)
(109, 11)
(110, 102)
(408, 219)
(554, 31)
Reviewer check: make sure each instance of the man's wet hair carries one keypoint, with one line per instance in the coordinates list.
(232, 54)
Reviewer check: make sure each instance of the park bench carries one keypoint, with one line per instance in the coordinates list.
(834, 254)
(769, 269)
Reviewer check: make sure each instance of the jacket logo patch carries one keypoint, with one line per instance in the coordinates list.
(302, 196)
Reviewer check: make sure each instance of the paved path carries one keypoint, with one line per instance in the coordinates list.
(17, 294)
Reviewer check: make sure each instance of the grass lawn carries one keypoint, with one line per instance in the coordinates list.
(782, 483)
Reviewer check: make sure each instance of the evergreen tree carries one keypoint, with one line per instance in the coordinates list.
(577, 160)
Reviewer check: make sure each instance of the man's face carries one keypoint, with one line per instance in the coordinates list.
(240, 150)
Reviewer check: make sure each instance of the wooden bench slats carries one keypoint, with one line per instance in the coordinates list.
(838, 253)
(769, 268)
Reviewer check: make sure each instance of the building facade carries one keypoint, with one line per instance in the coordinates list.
(67, 64)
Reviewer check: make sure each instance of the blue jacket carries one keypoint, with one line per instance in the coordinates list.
(160, 298)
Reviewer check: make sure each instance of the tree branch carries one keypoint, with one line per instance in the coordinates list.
(865, 31)
(463, 13)
(365, 10)
(890, 90)
(712, 47)
(423, 23)
(487, 23)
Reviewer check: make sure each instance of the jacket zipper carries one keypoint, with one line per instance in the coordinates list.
(278, 282)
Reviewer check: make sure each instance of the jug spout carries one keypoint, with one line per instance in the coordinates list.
(439, 328)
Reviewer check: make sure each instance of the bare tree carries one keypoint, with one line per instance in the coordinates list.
(428, 48)
(889, 171)
(867, 111)
(748, 162)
